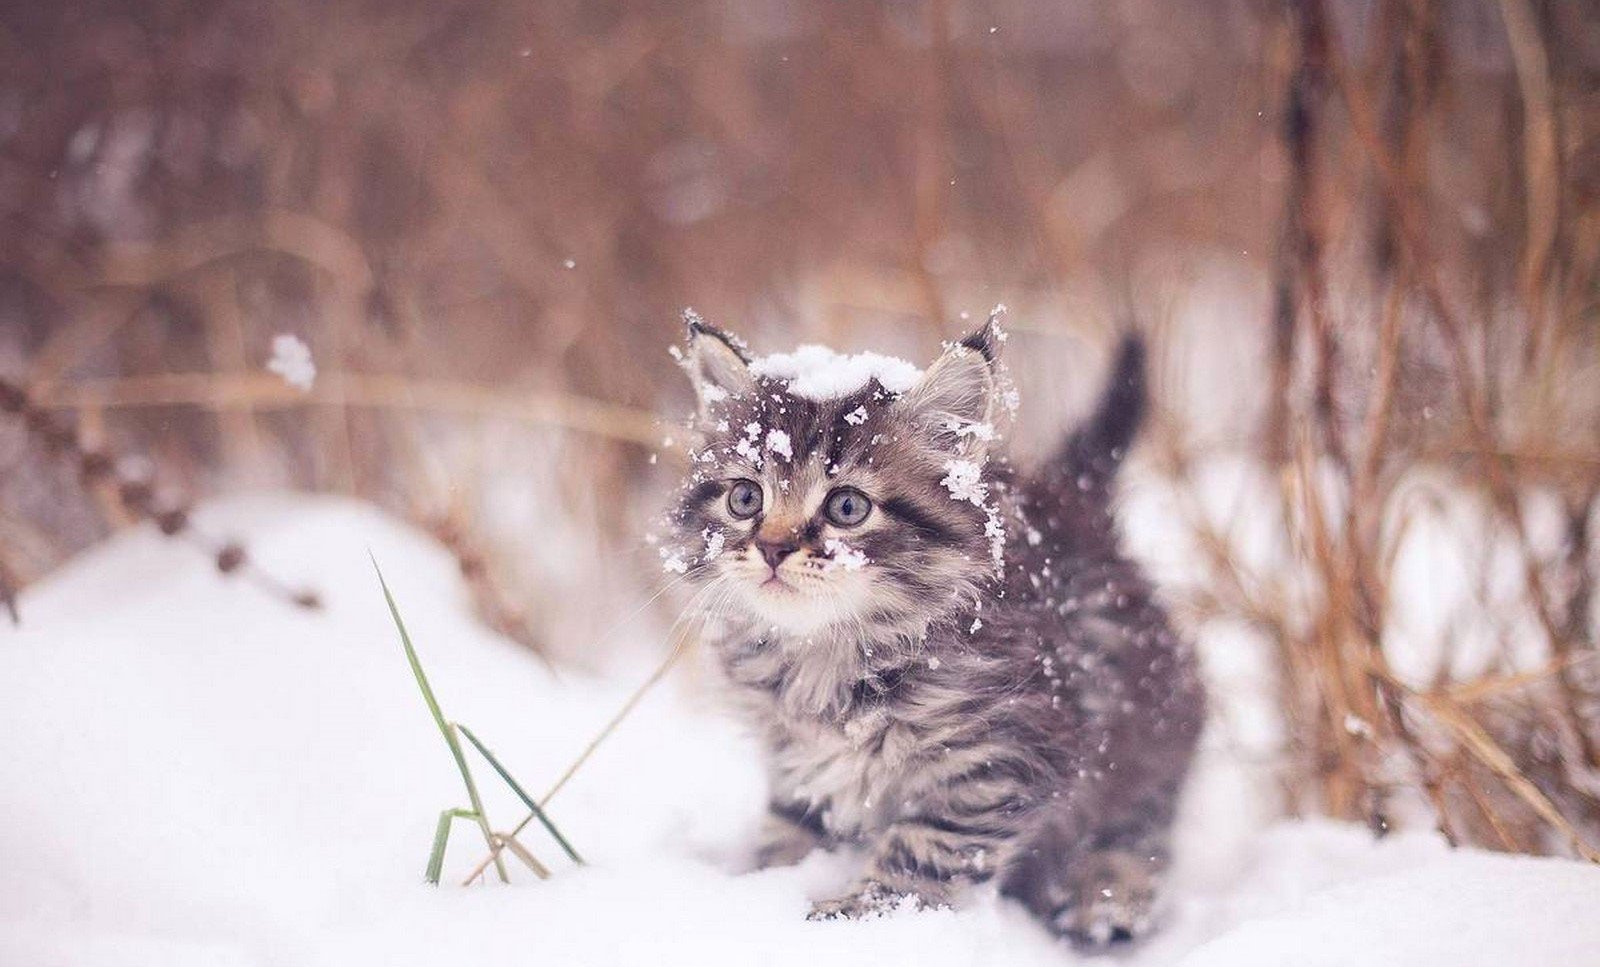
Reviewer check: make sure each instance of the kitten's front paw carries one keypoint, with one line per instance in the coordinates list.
(870, 899)
(874, 899)
(1113, 903)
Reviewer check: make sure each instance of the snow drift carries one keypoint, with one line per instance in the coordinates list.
(199, 774)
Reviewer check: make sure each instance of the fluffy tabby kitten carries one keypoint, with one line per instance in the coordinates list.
(951, 663)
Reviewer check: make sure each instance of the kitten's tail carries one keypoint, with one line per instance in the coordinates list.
(1094, 451)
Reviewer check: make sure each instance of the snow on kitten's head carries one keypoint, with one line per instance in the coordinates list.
(817, 494)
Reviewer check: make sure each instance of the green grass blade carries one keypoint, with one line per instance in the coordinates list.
(441, 839)
(527, 800)
(472, 796)
(445, 729)
(411, 656)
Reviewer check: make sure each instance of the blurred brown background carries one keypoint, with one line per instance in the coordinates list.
(1363, 233)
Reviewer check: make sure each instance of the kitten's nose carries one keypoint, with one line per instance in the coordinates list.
(774, 552)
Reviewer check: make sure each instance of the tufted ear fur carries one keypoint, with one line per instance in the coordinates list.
(957, 394)
(716, 362)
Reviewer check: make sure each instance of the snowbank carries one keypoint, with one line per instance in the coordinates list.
(197, 774)
(1455, 908)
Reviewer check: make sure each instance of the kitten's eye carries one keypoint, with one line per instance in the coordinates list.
(847, 507)
(744, 499)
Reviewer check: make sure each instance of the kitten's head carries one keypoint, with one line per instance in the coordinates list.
(820, 496)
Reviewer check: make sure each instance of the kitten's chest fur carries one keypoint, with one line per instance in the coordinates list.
(839, 745)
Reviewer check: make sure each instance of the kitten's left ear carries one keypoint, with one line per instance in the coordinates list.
(716, 361)
(958, 391)
(986, 339)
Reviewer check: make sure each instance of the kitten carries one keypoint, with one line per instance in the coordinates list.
(951, 663)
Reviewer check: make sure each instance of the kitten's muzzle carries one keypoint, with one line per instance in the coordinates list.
(773, 552)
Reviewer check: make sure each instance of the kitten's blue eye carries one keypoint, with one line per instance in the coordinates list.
(847, 507)
(744, 499)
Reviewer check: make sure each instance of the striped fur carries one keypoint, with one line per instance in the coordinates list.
(961, 722)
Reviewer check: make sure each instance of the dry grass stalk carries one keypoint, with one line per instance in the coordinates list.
(1475, 401)
(1347, 711)
(224, 393)
(1541, 153)
(136, 492)
(1485, 749)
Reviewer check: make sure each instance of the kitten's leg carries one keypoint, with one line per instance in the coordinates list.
(1100, 887)
(961, 834)
(788, 835)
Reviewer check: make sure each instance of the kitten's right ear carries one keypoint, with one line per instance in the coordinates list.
(717, 362)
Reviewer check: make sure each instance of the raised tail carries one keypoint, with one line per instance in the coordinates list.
(1094, 451)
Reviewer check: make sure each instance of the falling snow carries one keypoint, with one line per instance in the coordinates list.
(291, 360)
(1357, 726)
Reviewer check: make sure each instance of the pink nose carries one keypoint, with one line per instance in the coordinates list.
(774, 554)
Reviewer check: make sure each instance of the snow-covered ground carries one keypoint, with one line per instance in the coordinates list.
(195, 773)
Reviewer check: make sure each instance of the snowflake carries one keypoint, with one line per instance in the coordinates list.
(993, 528)
(964, 480)
(674, 564)
(844, 555)
(978, 431)
(714, 541)
(995, 315)
(291, 360)
(857, 416)
(746, 449)
(778, 443)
